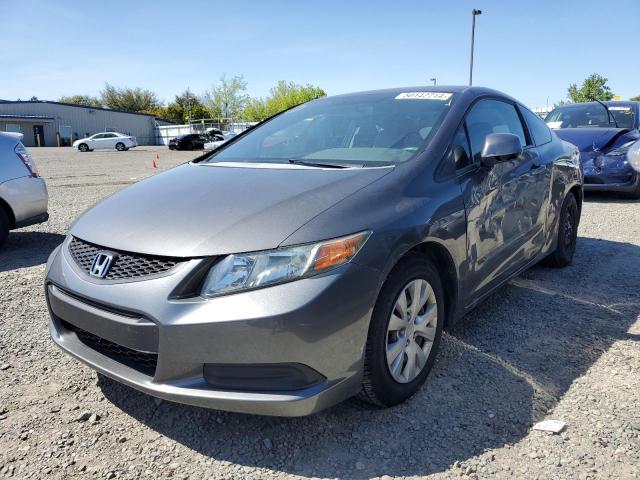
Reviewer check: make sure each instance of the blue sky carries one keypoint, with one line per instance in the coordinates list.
(529, 49)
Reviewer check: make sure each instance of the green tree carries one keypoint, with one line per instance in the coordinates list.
(86, 100)
(594, 87)
(289, 94)
(185, 107)
(199, 111)
(227, 99)
(159, 112)
(130, 99)
(255, 111)
(187, 99)
(635, 99)
(284, 95)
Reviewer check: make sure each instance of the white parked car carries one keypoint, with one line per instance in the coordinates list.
(106, 140)
(219, 139)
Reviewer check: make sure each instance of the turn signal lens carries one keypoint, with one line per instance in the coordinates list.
(337, 252)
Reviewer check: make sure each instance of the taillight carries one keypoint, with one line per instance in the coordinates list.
(25, 157)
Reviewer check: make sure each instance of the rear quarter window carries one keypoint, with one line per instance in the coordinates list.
(537, 128)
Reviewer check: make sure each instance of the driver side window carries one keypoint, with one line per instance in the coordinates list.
(492, 116)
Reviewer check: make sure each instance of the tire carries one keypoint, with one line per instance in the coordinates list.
(4, 227)
(120, 147)
(380, 386)
(635, 194)
(567, 234)
(83, 147)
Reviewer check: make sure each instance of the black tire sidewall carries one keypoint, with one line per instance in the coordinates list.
(120, 149)
(570, 204)
(4, 227)
(386, 390)
(83, 147)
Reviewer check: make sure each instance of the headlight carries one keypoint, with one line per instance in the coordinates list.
(247, 271)
(633, 156)
(621, 150)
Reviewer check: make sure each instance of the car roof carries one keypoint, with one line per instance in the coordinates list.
(622, 103)
(468, 91)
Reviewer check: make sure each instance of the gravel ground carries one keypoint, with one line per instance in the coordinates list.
(553, 344)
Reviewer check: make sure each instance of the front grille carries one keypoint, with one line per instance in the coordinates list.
(143, 362)
(125, 264)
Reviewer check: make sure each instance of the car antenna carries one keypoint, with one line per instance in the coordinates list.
(611, 117)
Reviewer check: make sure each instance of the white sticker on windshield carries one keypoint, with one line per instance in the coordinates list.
(554, 124)
(624, 109)
(424, 96)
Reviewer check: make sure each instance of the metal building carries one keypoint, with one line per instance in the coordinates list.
(52, 124)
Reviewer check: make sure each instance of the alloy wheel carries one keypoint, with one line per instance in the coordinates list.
(568, 229)
(411, 330)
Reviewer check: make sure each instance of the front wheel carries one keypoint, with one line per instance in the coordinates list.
(635, 193)
(567, 234)
(404, 333)
(120, 147)
(83, 147)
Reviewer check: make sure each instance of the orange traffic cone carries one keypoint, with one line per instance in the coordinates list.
(154, 163)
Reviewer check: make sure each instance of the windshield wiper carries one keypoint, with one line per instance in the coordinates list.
(611, 117)
(299, 161)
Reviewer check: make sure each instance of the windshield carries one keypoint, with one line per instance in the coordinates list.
(590, 115)
(370, 129)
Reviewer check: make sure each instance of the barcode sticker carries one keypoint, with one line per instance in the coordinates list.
(424, 96)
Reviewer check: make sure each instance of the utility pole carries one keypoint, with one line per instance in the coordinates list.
(189, 106)
(474, 13)
(433, 80)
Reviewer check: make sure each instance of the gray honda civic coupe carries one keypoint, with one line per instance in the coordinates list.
(320, 254)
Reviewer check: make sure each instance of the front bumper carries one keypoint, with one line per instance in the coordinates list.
(320, 323)
(608, 174)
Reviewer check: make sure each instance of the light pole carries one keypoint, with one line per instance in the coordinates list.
(474, 12)
(433, 80)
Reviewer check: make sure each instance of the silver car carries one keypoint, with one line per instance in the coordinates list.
(23, 193)
(318, 255)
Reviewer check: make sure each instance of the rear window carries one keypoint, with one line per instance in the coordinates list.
(623, 114)
(589, 115)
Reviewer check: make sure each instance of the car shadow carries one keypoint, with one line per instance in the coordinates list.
(608, 197)
(26, 249)
(502, 368)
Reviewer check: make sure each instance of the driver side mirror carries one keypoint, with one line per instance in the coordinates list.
(499, 147)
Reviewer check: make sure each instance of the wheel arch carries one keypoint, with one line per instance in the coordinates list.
(9, 212)
(579, 194)
(440, 256)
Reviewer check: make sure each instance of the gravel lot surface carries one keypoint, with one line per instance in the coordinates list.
(553, 344)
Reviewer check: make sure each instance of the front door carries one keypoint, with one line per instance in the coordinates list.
(38, 135)
(504, 204)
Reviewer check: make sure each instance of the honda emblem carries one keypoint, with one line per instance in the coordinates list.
(101, 264)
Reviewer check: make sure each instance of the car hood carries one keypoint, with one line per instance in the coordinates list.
(206, 209)
(589, 139)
